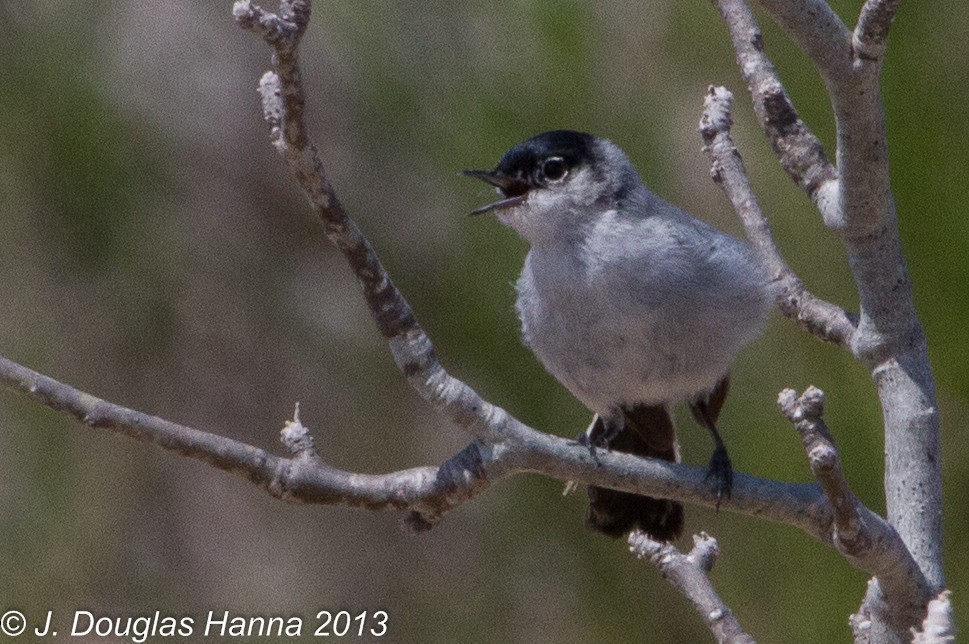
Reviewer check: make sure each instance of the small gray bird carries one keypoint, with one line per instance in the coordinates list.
(630, 303)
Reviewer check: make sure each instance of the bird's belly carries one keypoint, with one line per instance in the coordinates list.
(607, 362)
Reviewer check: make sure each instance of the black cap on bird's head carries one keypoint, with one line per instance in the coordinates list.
(542, 161)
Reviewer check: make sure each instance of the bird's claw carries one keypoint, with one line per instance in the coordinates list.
(720, 473)
(591, 444)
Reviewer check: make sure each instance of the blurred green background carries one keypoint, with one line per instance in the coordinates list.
(154, 252)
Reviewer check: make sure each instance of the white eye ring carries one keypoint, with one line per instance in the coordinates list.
(554, 169)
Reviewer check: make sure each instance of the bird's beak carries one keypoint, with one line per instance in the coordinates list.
(514, 189)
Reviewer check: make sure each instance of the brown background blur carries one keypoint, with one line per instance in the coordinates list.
(154, 251)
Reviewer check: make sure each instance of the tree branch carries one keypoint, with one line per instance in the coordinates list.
(862, 201)
(820, 318)
(283, 104)
(430, 491)
(805, 412)
(870, 38)
(798, 150)
(850, 64)
(688, 574)
(818, 31)
(858, 206)
(899, 596)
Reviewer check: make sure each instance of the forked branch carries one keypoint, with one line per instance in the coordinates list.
(820, 318)
(689, 574)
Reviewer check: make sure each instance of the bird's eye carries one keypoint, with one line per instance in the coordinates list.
(554, 169)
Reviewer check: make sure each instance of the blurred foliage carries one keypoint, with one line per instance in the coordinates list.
(155, 252)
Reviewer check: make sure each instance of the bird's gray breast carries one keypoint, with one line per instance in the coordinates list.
(571, 321)
(641, 312)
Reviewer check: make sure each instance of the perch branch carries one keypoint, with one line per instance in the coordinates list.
(820, 318)
(429, 491)
(689, 575)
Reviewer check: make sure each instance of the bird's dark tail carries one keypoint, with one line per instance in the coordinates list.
(646, 430)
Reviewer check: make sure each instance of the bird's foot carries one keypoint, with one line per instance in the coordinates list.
(720, 475)
(599, 435)
(591, 444)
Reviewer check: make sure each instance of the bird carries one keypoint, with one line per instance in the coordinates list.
(632, 304)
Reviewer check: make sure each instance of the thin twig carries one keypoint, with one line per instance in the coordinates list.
(870, 38)
(798, 150)
(689, 575)
(900, 592)
(806, 414)
(820, 318)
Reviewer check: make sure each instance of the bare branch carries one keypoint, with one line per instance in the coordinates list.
(818, 31)
(818, 317)
(857, 204)
(805, 412)
(850, 64)
(899, 596)
(283, 103)
(870, 38)
(799, 151)
(861, 201)
(429, 491)
(688, 574)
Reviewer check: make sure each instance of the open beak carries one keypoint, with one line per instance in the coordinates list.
(515, 190)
